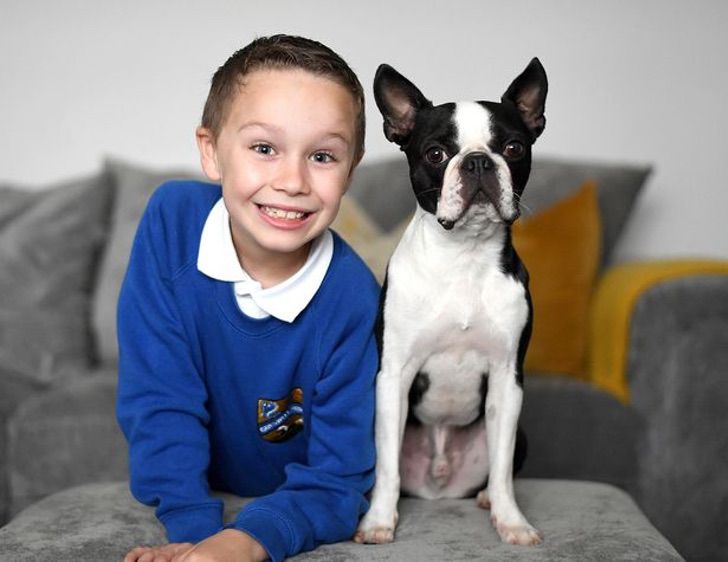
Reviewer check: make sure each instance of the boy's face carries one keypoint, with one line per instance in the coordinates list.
(284, 157)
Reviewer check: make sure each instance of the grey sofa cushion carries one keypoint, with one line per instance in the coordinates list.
(133, 186)
(383, 190)
(49, 244)
(63, 437)
(580, 521)
(575, 430)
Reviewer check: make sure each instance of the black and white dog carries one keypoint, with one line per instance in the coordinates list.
(455, 317)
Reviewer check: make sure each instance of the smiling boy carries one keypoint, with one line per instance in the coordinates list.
(247, 357)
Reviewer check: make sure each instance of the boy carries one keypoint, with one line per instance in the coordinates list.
(247, 359)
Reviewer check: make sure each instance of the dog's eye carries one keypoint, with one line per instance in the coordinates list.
(436, 155)
(514, 150)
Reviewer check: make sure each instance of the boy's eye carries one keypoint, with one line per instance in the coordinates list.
(323, 157)
(264, 149)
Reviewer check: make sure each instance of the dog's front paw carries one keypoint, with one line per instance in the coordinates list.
(373, 531)
(520, 533)
(375, 535)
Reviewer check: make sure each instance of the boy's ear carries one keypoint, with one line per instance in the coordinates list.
(208, 153)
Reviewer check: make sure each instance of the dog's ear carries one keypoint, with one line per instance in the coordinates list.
(528, 93)
(398, 100)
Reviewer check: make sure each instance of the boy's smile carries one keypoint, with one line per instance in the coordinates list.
(284, 157)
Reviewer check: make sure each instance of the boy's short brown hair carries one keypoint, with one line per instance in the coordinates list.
(278, 52)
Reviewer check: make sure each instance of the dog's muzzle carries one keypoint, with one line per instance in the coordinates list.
(474, 178)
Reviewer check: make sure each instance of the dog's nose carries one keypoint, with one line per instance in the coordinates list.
(446, 224)
(477, 162)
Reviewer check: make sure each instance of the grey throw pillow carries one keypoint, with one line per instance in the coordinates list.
(133, 186)
(49, 244)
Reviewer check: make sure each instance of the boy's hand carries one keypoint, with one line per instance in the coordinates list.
(229, 545)
(164, 553)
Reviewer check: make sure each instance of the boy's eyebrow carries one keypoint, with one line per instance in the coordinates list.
(273, 128)
(277, 129)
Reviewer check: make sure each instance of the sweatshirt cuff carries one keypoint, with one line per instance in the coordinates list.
(266, 527)
(192, 524)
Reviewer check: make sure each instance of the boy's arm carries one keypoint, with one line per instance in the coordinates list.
(161, 396)
(321, 501)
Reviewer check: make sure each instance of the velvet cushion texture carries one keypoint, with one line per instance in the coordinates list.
(581, 521)
(617, 187)
(560, 247)
(49, 242)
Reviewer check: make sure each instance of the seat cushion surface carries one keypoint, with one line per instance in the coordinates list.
(580, 521)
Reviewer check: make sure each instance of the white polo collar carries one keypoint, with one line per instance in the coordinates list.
(217, 259)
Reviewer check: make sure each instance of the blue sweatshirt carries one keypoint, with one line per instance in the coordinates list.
(209, 398)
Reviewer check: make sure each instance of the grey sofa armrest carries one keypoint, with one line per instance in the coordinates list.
(678, 371)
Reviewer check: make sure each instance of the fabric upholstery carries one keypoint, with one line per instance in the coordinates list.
(383, 191)
(618, 186)
(575, 430)
(678, 363)
(580, 521)
(49, 244)
(373, 245)
(48, 439)
(133, 185)
(614, 301)
(353, 224)
(561, 247)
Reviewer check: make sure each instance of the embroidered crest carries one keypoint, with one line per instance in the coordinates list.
(279, 420)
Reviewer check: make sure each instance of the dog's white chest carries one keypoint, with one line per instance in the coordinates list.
(452, 298)
(451, 313)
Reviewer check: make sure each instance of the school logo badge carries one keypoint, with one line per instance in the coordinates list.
(279, 420)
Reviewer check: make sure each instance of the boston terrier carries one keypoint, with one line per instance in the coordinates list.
(455, 315)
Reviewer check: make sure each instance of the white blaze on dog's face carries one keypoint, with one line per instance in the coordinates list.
(477, 178)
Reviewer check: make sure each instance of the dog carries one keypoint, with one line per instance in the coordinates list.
(455, 314)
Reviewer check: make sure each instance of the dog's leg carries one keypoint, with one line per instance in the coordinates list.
(502, 408)
(377, 526)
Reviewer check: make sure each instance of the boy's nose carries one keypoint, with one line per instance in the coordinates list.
(292, 177)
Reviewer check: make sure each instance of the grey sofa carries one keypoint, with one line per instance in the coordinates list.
(63, 252)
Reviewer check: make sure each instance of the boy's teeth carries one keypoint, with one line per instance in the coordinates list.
(281, 214)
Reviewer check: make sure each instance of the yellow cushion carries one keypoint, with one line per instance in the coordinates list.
(561, 247)
(614, 301)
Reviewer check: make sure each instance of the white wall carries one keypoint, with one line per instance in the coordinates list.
(640, 81)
